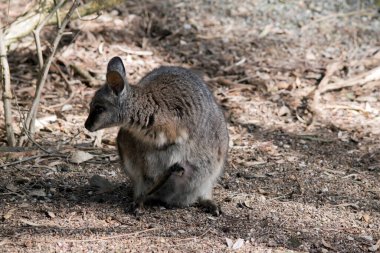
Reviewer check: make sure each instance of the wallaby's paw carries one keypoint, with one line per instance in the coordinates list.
(135, 208)
(215, 209)
(177, 170)
(139, 211)
(211, 207)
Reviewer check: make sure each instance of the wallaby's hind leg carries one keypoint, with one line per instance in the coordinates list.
(136, 207)
(210, 206)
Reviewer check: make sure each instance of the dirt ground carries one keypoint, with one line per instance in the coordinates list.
(303, 172)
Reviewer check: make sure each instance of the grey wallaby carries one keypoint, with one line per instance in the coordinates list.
(173, 137)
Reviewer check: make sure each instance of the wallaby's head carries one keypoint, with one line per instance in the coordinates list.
(105, 106)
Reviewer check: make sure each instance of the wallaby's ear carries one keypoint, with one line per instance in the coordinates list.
(116, 75)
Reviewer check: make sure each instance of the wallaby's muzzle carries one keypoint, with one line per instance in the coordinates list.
(89, 124)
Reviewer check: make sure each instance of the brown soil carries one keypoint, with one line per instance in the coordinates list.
(303, 175)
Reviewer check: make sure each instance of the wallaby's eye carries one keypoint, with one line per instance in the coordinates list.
(99, 109)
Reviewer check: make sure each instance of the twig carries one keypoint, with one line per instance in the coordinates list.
(372, 75)
(42, 78)
(58, 16)
(7, 94)
(316, 106)
(110, 237)
(314, 138)
(353, 205)
(36, 32)
(90, 19)
(68, 86)
(31, 158)
(337, 15)
(135, 52)
(346, 107)
(25, 24)
(26, 130)
(231, 84)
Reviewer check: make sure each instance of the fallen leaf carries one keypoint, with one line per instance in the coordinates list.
(9, 214)
(252, 163)
(367, 238)
(238, 244)
(50, 214)
(366, 217)
(30, 223)
(267, 29)
(66, 107)
(45, 121)
(248, 203)
(229, 242)
(38, 193)
(55, 163)
(283, 85)
(80, 157)
(5, 241)
(24, 205)
(327, 245)
(284, 110)
(375, 247)
(12, 187)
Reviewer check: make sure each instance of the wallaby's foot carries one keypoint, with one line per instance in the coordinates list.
(210, 206)
(177, 170)
(139, 211)
(136, 208)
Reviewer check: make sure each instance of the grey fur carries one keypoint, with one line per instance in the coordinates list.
(169, 118)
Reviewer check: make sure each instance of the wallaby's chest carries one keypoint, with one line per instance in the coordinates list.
(141, 159)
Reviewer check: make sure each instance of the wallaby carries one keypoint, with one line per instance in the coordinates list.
(173, 137)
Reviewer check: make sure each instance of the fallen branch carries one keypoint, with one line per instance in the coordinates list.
(316, 105)
(231, 84)
(7, 94)
(361, 79)
(42, 78)
(110, 237)
(25, 24)
(339, 15)
(32, 158)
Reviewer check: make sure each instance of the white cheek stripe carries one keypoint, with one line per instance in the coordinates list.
(182, 137)
(161, 139)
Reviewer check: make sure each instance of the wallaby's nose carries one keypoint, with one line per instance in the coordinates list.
(88, 125)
